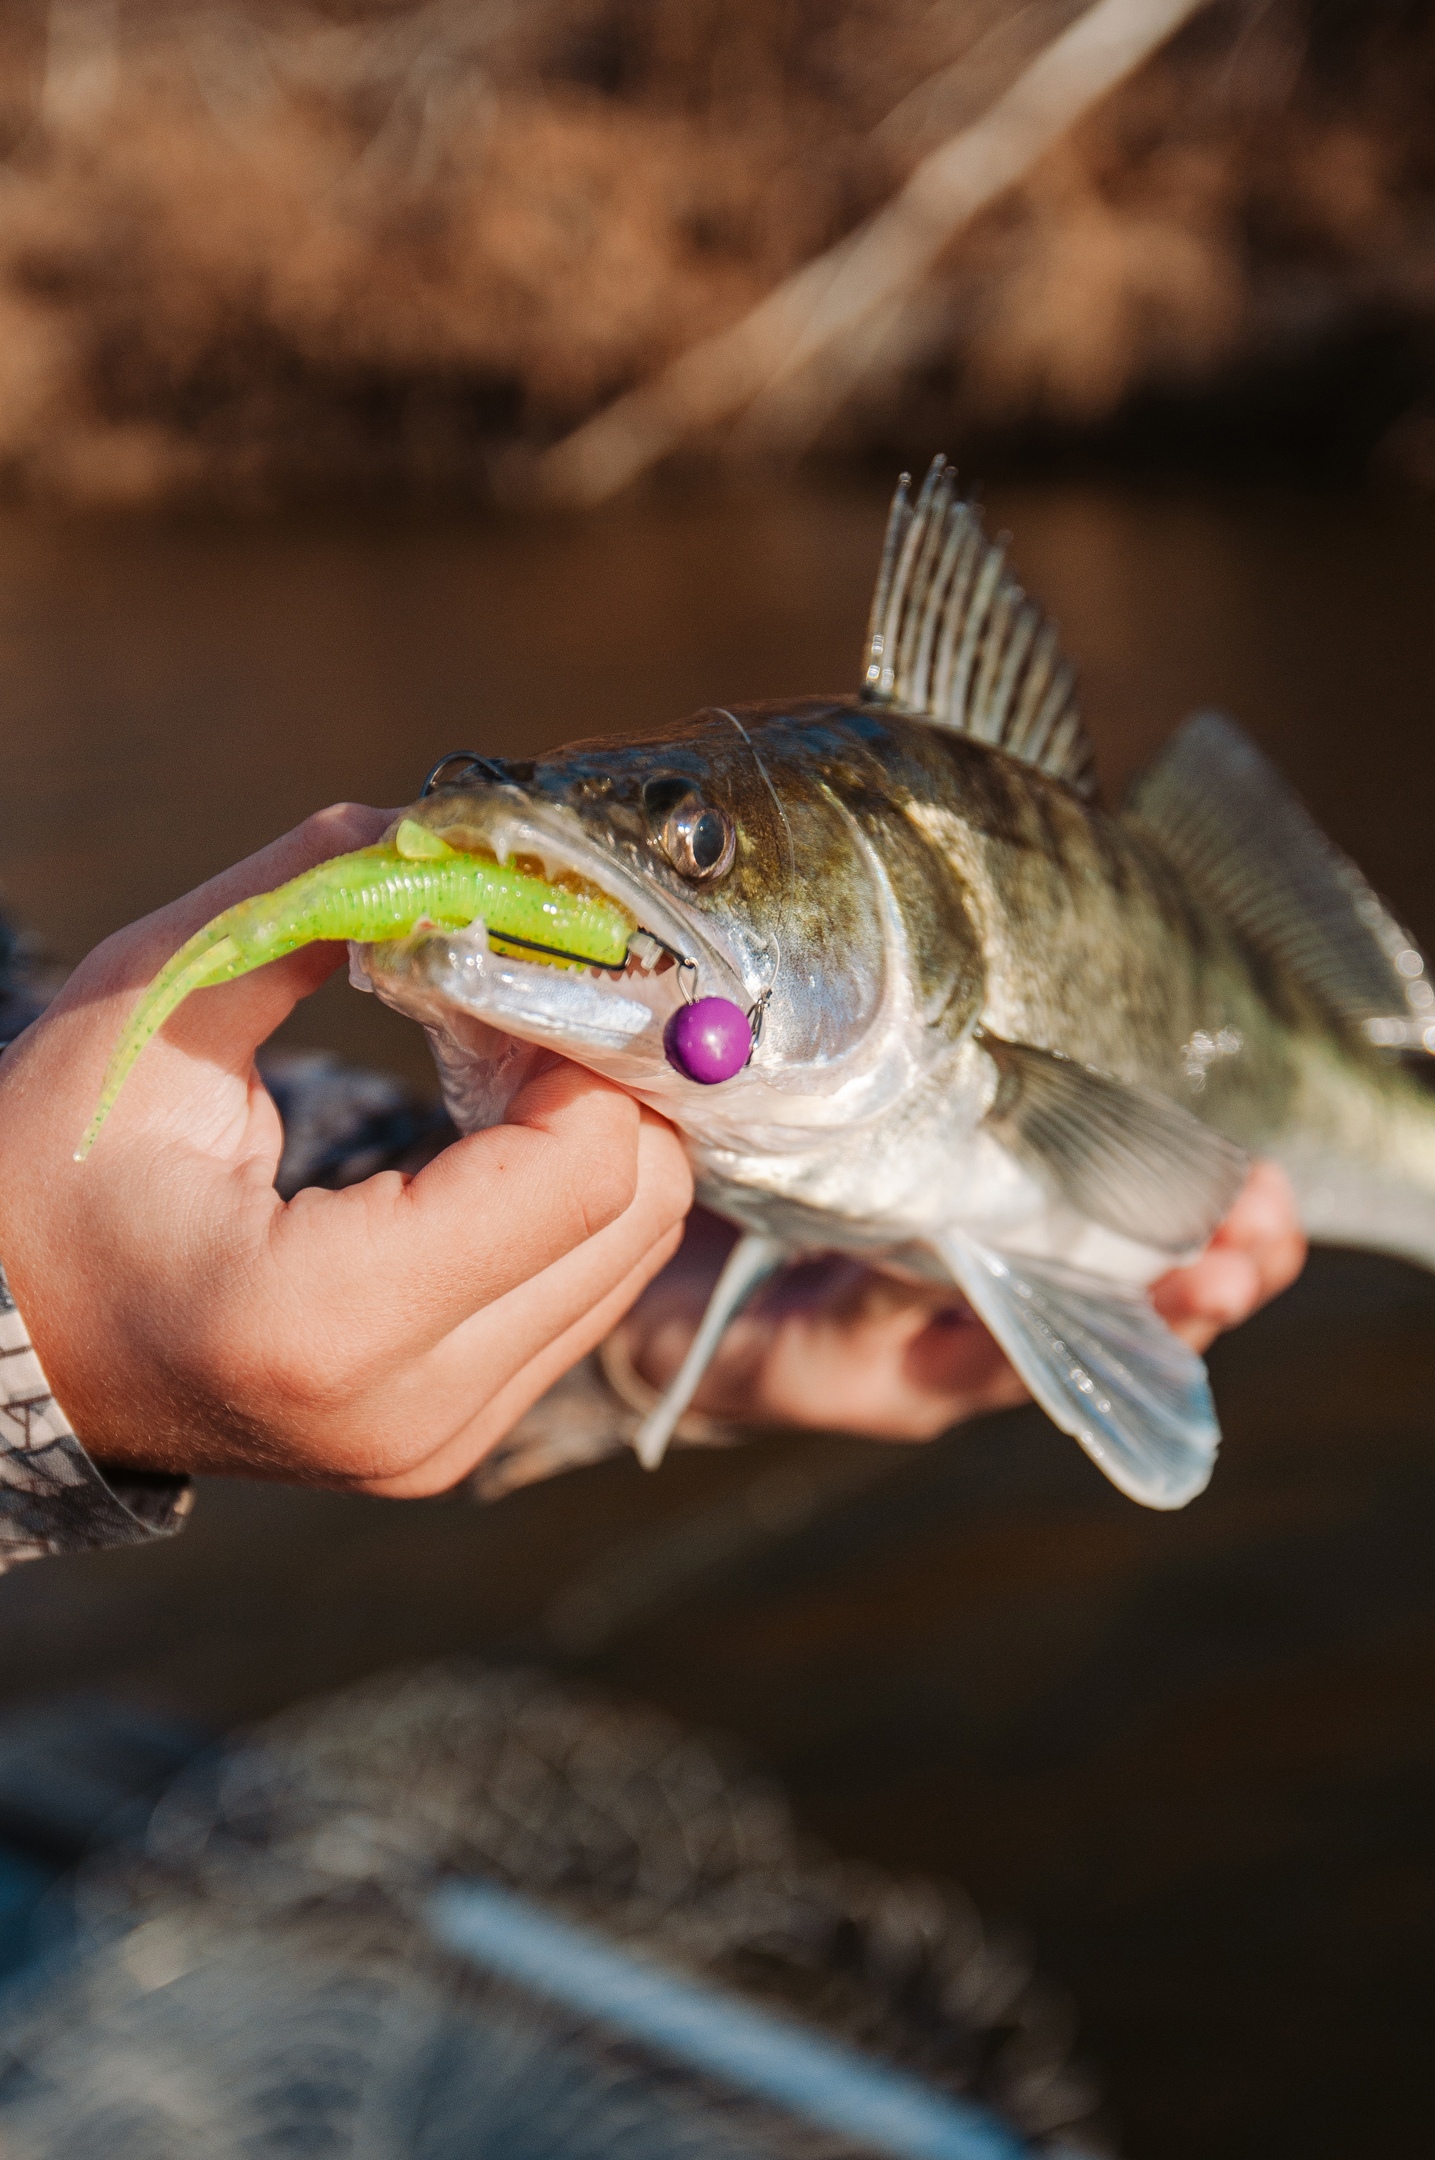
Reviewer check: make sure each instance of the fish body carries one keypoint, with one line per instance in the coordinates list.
(1004, 1038)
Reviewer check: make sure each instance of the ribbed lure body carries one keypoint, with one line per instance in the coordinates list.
(412, 881)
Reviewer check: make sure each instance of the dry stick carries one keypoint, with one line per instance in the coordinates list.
(873, 268)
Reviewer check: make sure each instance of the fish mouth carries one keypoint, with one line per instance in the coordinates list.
(544, 994)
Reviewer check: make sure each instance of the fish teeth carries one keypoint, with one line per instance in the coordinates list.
(644, 953)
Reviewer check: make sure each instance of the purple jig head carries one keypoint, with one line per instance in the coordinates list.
(708, 1041)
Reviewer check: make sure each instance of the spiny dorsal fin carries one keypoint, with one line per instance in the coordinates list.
(952, 636)
(1243, 840)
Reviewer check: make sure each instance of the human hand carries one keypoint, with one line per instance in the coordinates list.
(382, 1337)
(835, 1346)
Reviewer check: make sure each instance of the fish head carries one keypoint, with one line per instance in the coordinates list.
(757, 853)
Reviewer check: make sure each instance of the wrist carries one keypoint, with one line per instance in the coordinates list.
(53, 1496)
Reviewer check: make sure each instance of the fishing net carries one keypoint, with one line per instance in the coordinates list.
(260, 1979)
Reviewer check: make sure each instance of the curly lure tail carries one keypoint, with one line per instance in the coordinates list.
(413, 881)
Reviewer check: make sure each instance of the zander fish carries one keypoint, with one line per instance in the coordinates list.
(910, 994)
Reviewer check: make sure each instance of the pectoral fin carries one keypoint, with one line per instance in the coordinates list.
(1103, 1366)
(1124, 1156)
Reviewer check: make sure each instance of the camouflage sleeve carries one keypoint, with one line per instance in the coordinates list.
(53, 1498)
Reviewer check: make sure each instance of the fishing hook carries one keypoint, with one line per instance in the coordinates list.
(470, 761)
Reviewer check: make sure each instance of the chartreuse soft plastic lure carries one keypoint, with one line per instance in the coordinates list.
(408, 882)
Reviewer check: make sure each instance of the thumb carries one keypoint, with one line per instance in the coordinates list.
(245, 1011)
(419, 1256)
(131, 958)
(223, 1025)
(239, 1015)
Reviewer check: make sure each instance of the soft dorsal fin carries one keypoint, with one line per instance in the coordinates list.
(1243, 840)
(952, 636)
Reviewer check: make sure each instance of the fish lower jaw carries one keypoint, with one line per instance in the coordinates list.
(802, 1225)
(582, 1012)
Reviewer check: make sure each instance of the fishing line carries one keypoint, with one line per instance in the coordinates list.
(556, 952)
(758, 1012)
(772, 791)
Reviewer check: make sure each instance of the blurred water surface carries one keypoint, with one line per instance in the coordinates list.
(1194, 1754)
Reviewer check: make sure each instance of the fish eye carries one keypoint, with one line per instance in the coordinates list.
(698, 838)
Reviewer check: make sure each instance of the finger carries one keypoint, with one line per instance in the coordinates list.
(409, 1261)
(131, 956)
(223, 1025)
(233, 1018)
(1264, 1208)
(1265, 1224)
(421, 1427)
(1280, 1263)
(904, 1376)
(1258, 1251)
(1219, 1291)
(834, 1347)
(535, 1314)
(334, 831)
(481, 1433)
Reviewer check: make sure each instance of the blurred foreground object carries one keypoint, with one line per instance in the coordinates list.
(263, 1978)
(259, 246)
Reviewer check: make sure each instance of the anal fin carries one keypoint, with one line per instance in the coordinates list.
(1102, 1364)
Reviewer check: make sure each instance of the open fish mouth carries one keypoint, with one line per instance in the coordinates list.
(558, 997)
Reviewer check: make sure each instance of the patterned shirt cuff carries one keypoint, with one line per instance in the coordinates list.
(53, 1499)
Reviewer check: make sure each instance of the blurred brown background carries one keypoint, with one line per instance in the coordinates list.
(250, 248)
(301, 314)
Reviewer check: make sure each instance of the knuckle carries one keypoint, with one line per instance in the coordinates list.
(338, 827)
(672, 1187)
(608, 1188)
